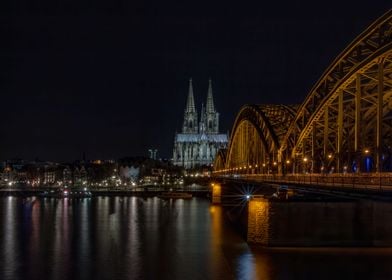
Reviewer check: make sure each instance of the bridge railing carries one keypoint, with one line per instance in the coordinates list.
(370, 181)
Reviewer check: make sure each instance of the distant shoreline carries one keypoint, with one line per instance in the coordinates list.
(139, 193)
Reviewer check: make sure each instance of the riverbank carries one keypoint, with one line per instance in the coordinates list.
(105, 192)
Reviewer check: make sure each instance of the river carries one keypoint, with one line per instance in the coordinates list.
(150, 238)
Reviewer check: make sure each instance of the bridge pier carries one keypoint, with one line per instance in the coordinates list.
(258, 221)
(310, 223)
(216, 193)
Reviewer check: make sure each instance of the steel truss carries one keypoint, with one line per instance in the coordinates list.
(343, 126)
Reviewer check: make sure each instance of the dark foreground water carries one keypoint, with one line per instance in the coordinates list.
(136, 238)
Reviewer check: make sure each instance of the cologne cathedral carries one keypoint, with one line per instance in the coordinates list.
(199, 140)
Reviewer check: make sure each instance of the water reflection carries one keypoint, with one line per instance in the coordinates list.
(136, 238)
(9, 246)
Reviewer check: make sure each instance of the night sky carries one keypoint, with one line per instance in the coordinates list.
(111, 78)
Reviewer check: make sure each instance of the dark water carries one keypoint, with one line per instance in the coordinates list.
(135, 238)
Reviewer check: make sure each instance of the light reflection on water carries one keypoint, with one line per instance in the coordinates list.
(136, 238)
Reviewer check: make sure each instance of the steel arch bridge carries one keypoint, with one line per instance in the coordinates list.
(343, 126)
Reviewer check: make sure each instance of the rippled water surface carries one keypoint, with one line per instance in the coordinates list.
(136, 238)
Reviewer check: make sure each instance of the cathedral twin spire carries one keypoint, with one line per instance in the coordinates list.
(210, 99)
(190, 103)
(209, 118)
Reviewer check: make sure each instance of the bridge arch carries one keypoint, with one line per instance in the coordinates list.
(344, 125)
(256, 135)
(346, 117)
(220, 160)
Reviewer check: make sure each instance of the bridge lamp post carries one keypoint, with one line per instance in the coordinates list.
(287, 166)
(305, 160)
(274, 171)
(367, 154)
(328, 161)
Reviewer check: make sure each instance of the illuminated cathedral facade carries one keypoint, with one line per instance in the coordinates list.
(200, 139)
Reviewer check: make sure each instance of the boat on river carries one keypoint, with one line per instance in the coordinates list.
(175, 195)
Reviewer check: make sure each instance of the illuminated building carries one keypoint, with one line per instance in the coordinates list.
(198, 143)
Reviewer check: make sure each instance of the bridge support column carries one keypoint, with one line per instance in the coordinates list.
(334, 223)
(340, 133)
(379, 115)
(280, 163)
(258, 221)
(357, 142)
(216, 193)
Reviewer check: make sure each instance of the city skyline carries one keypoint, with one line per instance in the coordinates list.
(194, 141)
(113, 82)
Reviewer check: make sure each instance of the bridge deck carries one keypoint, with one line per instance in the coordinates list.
(375, 183)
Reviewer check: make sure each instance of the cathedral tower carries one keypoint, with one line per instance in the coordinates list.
(190, 114)
(198, 143)
(212, 116)
(203, 120)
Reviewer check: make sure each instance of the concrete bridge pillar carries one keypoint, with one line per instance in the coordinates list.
(216, 193)
(319, 223)
(258, 221)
